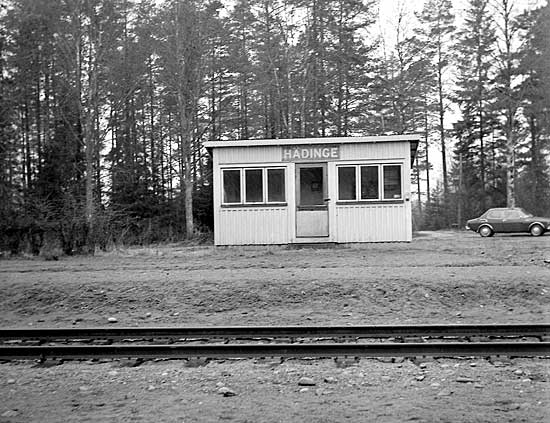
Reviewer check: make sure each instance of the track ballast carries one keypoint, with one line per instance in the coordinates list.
(305, 341)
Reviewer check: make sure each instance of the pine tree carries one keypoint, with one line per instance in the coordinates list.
(435, 31)
(474, 97)
(8, 148)
(241, 23)
(533, 185)
(402, 79)
(508, 96)
(349, 62)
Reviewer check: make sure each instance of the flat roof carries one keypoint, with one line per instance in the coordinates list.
(415, 138)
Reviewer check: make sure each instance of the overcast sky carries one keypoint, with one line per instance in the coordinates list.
(389, 10)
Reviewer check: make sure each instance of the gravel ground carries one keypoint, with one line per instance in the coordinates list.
(439, 277)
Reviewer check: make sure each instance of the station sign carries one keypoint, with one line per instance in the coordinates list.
(307, 153)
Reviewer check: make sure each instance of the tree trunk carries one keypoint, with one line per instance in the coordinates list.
(511, 105)
(189, 224)
(89, 145)
(419, 193)
(88, 106)
(427, 144)
(460, 191)
(441, 122)
(154, 176)
(186, 173)
(510, 170)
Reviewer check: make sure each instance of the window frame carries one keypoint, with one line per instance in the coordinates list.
(381, 187)
(243, 178)
(242, 174)
(223, 186)
(358, 183)
(380, 173)
(266, 184)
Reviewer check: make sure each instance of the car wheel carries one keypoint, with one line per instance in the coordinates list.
(485, 231)
(536, 230)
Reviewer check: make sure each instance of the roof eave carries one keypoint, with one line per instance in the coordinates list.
(413, 138)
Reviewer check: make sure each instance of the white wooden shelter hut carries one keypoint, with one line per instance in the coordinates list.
(313, 190)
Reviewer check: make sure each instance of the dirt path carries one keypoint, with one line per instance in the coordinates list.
(455, 278)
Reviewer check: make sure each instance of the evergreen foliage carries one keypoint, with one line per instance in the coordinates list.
(105, 105)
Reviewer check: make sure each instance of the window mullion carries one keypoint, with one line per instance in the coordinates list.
(243, 186)
(381, 182)
(264, 185)
(357, 183)
(222, 186)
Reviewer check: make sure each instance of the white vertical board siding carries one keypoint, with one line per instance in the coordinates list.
(372, 223)
(252, 225)
(217, 188)
(259, 154)
(248, 155)
(375, 151)
(377, 222)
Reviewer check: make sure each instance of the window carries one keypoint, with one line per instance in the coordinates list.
(232, 186)
(515, 214)
(392, 182)
(512, 214)
(369, 183)
(363, 182)
(311, 186)
(259, 185)
(346, 183)
(495, 214)
(254, 184)
(275, 185)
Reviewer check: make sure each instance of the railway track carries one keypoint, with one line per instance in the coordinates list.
(250, 332)
(305, 341)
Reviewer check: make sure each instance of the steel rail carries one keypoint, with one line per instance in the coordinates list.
(248, 332)
(518, 349)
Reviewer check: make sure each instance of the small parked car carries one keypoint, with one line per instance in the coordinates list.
(508, 220)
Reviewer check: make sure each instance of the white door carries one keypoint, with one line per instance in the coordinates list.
(311, 200)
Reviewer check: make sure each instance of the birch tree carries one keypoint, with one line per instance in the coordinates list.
(183, 51)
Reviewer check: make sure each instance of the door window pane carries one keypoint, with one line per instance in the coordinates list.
(392, 182)
(369, 182)
(275, 185)
(346, 183)
(232, 186)
(254, 185)
(311, 186)
(495, 214)
(513, 214)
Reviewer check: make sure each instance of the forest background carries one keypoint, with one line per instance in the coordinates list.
(105, 105)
